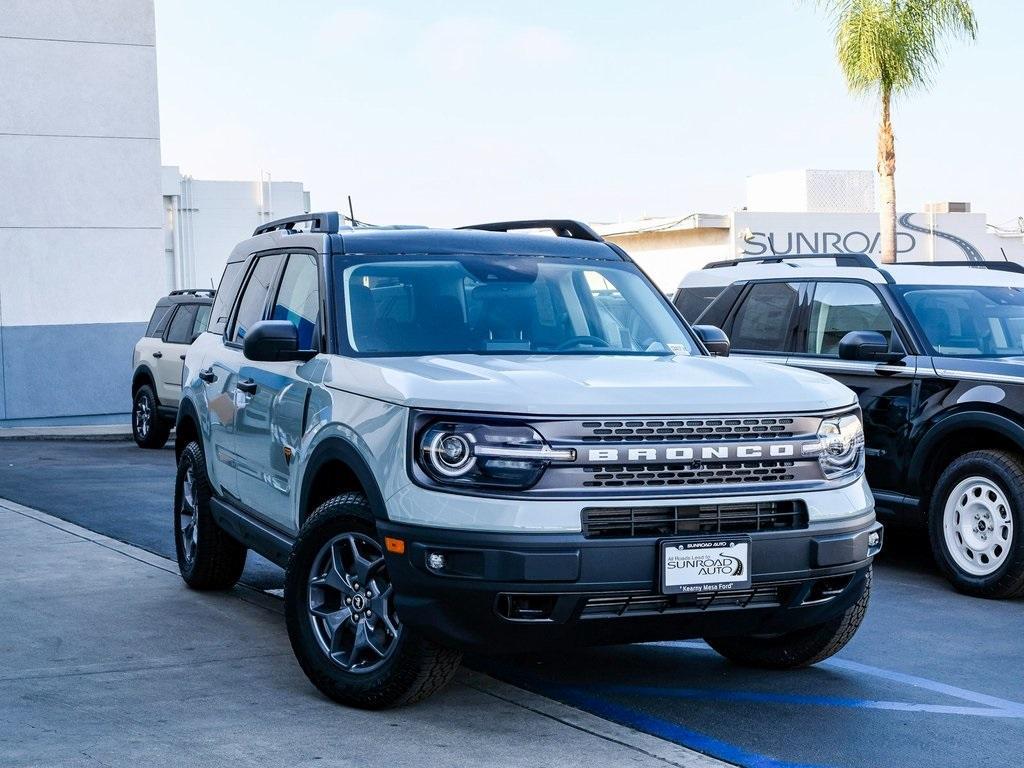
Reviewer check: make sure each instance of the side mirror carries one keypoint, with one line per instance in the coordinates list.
(867, 345)
(274, 341)
(714, 339)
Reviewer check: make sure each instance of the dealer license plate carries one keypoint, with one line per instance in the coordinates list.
(705, 565)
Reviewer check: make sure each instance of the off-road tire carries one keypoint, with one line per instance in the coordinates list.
(219, 559)
(414, 670)
(154, 434)
(801, 648)
(1006, 470)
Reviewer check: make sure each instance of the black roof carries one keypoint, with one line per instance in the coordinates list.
(188, 296)
(371, 242)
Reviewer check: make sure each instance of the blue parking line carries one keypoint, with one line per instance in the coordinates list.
(713, 694)
(1005, 707)
(664, 729)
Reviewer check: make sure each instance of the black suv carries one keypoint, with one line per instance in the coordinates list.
(935, 352)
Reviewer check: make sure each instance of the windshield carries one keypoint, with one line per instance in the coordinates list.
(969, 321)
(466, 304)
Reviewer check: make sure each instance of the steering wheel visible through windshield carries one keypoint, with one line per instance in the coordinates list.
(467, 304)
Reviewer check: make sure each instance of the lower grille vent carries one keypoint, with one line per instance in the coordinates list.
(751, 517)
(639, 605)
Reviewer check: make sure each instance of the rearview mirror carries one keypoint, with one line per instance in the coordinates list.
(274, 341)
(714, 339)
(867, 345)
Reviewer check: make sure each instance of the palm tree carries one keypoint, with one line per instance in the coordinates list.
(890, 48)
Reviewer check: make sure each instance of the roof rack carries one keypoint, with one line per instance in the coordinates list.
(328, 222)
(561, 227)
(1000, 266)
(208, 292)
(842, 260)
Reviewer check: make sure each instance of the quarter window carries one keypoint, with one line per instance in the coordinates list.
(226, 294)
(764, 322)
(254, 295)
(180, 329)
(203, 312)
(298, 299)
(839, 308)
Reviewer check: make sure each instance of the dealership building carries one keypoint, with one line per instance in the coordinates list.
(92, 230)
(808, 211)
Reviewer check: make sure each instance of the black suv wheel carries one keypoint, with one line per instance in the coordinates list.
(149, 428)
(976, 524)
(800, 648)
(207, 557)
(339, 607)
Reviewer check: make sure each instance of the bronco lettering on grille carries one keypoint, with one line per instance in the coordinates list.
(686, 453)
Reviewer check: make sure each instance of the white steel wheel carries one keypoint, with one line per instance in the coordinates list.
(977, 526)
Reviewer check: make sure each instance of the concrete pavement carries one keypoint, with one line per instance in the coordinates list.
(109, 660)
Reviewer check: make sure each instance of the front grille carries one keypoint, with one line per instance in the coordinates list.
(685, 429)
(624, 475)
(760, 596)
(752, 517)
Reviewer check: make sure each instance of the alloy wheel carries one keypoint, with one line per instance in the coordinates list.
(978, 526)
(351, 605)
(188, 523)
(143, 416)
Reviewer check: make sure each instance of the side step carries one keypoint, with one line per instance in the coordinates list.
(257, 536)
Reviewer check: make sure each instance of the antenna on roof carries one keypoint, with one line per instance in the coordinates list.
(351, 213)
(1003, 251)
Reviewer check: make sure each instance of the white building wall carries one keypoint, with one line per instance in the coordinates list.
(80, 220)
(205, 219)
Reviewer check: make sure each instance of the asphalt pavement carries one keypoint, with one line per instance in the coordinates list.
(932, 678)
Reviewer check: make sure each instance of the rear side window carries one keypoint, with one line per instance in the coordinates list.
(692, 302)
(765, 319)
(229, 283)
(158, 321)
(180, 329)
(254, 295)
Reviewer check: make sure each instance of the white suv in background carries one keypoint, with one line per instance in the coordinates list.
(158, 359)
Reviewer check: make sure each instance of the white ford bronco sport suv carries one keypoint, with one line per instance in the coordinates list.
(157, 362)
(490, 440)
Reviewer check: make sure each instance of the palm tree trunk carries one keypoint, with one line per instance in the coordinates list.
(887, 178)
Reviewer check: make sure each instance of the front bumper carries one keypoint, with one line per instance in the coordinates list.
(501, 592)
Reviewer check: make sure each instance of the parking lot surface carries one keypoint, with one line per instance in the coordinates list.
(932, 678)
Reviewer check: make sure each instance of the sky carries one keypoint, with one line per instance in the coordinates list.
(452, 112)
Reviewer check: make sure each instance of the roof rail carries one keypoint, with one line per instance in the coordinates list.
(561, 227)
(842, 259)
(1000, 266)
(209, 292)
(327, 222)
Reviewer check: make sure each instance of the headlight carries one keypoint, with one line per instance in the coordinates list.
(485, 455)
(840, 445)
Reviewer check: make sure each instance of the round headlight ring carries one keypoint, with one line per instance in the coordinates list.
(450, 454)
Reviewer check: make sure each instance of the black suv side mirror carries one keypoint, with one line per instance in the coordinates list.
(867, 345)
(274, 341)
(714, 339)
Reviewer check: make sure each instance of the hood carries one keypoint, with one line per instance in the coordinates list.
(566, 385)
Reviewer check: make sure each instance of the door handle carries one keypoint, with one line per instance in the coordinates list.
(181, 356)
(208, 375)
(248, 386)
(158, 354)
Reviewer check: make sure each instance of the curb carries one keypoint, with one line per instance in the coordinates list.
(83, 432)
